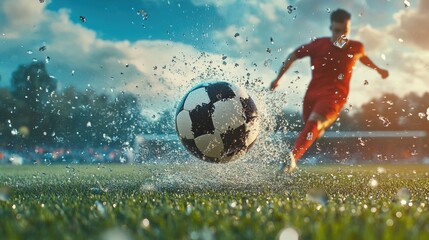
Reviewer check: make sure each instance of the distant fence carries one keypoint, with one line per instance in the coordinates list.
(328, 134)
(362, 145)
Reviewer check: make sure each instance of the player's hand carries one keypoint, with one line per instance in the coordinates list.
(274, 84)
(383, 73)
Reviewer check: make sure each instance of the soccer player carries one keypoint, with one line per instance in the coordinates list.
(332, 60)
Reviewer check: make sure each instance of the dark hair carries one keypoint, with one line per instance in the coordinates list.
(340, 15)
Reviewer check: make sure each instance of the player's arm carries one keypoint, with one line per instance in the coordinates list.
(286, 65)
(369, 63)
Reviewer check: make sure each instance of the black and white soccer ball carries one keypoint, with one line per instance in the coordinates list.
(217, 121)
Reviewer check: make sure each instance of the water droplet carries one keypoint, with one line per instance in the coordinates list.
(427, 114)
(383, 56)
(365, 82)
(145, 223)
(14, 131)
(290, 9)
(267, 62)
(384, 120)
(398, 214)
(328, 10)
(312, 67)
(47, 59)
(82, 18)
(189, 209)
(309, 136)
(288, 234)
(116, 234)
(373, 183)
(4, 194)
(100, 207)
(317, 195)
(88, 124)
(41, 1)
(389, 222)
(341, 41)
(271, 40)
(143, 13)
(236, 34)
(42, 48)
(381, 170)
(400, 40)
(403, 195)
(147, 187)
(350, 55)
(407, 3)
(340, 76)
(29, 52)
(361, 142)
(422, 115)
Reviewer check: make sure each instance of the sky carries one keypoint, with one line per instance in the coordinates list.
(158, 49)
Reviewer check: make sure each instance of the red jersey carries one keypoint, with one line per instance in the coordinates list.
(331, 66)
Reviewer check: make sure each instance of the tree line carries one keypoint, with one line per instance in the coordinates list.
(33, 112)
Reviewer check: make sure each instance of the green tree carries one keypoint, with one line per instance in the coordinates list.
(32, 85)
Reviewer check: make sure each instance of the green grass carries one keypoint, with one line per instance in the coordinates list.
(168, 202)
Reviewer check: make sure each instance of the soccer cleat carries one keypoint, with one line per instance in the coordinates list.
(288, 165)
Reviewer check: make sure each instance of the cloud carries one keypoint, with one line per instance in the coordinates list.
(403, 57)
(374, 39)
(373, 22)
(217, 3)
(411, 25)
(20, 16)
(161, 71)
(158, 71)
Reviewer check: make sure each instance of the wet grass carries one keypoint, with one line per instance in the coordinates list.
(137, 202)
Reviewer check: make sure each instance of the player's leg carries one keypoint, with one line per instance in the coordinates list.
(289, 163)
(315, 124)
(323, 114)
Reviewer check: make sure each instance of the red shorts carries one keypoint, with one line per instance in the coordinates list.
(328, 106)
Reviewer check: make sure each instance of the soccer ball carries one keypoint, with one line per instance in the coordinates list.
(217, 121)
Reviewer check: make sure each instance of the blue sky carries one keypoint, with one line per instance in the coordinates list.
(186, 42)
(179, 21)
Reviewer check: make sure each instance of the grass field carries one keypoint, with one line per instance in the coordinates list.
(202, 201)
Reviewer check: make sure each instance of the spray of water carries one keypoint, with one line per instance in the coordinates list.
(256, 170)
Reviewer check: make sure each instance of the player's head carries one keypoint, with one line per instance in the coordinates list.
(340, 23)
